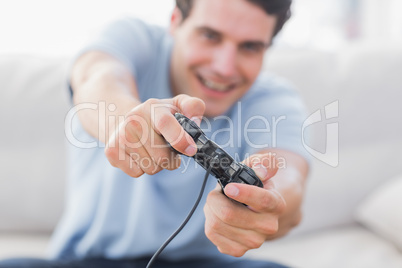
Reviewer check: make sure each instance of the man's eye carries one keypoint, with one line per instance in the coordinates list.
(249, 47)
(211, 36)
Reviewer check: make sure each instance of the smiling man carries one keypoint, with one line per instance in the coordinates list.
(127, 195)
(219, 51)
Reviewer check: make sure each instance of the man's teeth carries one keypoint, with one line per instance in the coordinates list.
(215, 86)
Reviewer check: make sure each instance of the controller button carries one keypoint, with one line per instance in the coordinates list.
(230, 171)
(235, 166)
(202, 139)
(247, 178)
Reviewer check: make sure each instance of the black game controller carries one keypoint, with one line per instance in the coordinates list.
(215, 160)
(210, 155)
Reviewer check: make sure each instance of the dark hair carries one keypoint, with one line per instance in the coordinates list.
(278, 8)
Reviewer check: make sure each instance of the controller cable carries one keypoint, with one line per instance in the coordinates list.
(156, 254)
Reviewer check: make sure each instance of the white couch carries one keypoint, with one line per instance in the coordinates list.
(343, 204)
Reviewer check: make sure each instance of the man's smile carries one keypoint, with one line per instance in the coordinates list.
(212, 87)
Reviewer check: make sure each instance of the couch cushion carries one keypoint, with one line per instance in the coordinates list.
(23, 245)
(366, 81)
(345, 247)
(382, 212)
(33, 104)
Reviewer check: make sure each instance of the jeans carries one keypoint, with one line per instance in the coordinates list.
(138, 263)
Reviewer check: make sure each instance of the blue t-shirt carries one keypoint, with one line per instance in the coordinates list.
(109, 214)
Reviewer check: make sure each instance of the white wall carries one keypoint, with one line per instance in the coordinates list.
(58, 27)
(61, 26)
(382, 19)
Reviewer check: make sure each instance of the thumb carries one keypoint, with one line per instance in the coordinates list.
(264, 165)
(191, 107)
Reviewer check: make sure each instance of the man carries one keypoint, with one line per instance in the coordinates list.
(127, 195)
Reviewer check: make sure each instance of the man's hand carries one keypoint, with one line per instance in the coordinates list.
(235, 228)
(139, 144)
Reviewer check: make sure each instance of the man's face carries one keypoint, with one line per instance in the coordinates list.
(219, 50)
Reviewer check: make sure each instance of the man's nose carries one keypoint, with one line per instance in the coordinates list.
(225, 60)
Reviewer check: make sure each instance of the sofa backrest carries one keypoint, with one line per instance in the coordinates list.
(366, 81)
(33, 104)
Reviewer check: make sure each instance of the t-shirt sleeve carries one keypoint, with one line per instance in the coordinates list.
(273, 118)
(130, 40)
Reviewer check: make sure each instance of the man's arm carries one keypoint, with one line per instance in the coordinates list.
(130, 129)
(272, 211)
(290, 182)
(99, 77)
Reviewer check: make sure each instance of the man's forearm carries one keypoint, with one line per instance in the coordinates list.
(98, 78)
(290, 181)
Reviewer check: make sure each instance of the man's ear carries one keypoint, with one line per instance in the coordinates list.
(175, 20)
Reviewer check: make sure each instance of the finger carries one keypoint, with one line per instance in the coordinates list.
(166, 125)
(191, 107)
(264, 165)
(227, 246)
(132, 144)
(118, 157)
(161, 152)
(240, 216)
(151, 139)
(250, 238)
(143, 160)
(131, 167)
(258, 199)
(229, 212)
(128, 166)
